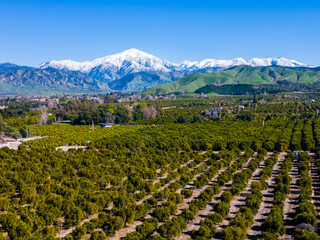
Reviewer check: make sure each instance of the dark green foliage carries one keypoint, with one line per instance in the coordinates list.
(308, 218)
(148, 227)
(274, 223)
(26, 132)
(238, 226)
(226, 197)
(239, 89)
(173, 227)
(98, 236)
(301, 234)
(181, 119)
(206, 231)
(121, 116)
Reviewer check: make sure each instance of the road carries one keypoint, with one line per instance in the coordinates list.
(15, 145)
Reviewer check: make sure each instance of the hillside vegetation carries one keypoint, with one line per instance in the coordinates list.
(240, 75)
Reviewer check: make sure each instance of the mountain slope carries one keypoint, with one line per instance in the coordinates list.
(16, 79)
(240, 75)
(10, 66)
(143, 80)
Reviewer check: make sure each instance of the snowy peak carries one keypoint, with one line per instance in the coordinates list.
(284, 62)
(116, 66)
(65, 65)
(254, 62)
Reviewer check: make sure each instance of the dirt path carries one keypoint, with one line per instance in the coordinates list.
(316, 188)
(254, 231)
(65, 232)
(292, 201)
(66, 148)
(239, 201)
(195, 223)
(15, 144)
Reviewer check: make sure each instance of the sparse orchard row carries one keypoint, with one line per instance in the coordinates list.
(262, 193)
(305, 217)
(146, 204)
(238, 226)
(273, 226)
(195, 204)
(201, 181)
(230, 227)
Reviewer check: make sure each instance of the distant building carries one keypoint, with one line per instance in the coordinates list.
(214, 114)
(311, 100)
(240, 106)
(216, 109)
(210, 113)
(105, 125)
(65, 121)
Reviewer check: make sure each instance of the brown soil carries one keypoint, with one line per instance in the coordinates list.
(292, 201)
(316, 189)
(130, 228)
(239, 201)
(65, 232)
(194, 224)
(254, 231)
(123, 232)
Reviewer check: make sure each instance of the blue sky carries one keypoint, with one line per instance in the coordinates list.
(34, 31)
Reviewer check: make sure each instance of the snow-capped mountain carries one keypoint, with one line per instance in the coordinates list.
(254, 62)
(116, 66)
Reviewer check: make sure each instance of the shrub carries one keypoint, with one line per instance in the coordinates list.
(233, 233)
(223, 208)
(306, 218)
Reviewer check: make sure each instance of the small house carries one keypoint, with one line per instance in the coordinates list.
(105, 125)
(240, 106)
(311, 100)
(214, 114)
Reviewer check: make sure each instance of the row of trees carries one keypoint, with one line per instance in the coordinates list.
(128, 211)
(306, 214)
(238, 227)
(273, 226)
(120, 162)
(174, 227)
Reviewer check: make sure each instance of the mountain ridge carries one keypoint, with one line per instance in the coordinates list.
(130, 70)
(240, 75)
(118, 65)
(27, 80)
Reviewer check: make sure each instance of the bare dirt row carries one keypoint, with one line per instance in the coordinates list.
(131, 228)
(122, 233)
(194, 224)
(292, 201)
(239, 201)
(316, 188)
(265, 207)
(65, 232)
